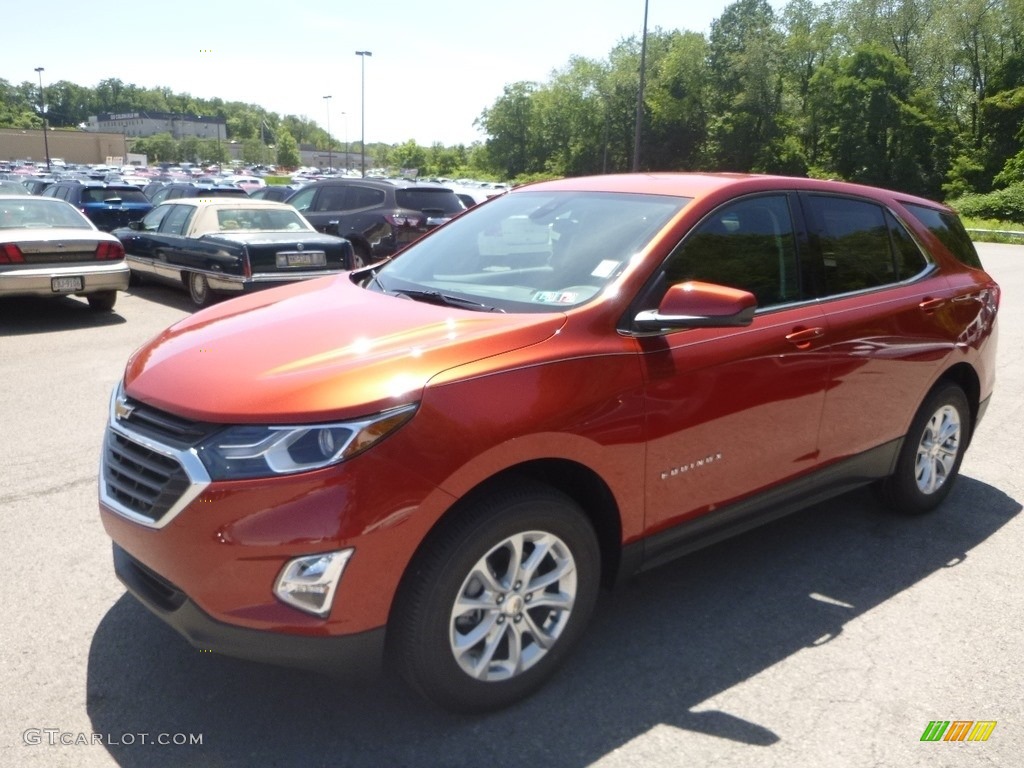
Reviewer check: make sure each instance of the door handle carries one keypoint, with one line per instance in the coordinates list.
(930, 305)
(802, 338)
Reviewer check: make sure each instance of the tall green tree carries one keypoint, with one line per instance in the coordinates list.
(287, 150)
(512, 147)
(745, 88)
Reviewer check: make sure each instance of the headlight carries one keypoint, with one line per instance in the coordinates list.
(251, 450)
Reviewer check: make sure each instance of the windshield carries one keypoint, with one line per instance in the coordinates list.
(532, 251)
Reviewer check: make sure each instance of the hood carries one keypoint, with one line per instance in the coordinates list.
(317, 350)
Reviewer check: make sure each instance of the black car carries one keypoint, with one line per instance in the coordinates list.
(36, 185)
(181, 189)
(108, 206)
(379, 217)
(278, 192)
(226, 246)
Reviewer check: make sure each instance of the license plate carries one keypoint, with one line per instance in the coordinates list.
(65, 284)
(302, 259)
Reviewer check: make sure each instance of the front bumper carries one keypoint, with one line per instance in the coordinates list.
(356, 656)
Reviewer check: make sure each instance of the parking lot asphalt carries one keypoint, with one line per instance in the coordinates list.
(830, 638)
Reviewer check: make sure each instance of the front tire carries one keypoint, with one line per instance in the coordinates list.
(497, 599)
(932, 452)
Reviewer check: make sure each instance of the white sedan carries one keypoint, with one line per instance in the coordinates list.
(48, 248)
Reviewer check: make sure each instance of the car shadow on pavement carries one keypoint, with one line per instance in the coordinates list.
(24, 315)
(657, 649)
(159, 293)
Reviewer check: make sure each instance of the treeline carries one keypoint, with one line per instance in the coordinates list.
(921, 95)
(69, 105)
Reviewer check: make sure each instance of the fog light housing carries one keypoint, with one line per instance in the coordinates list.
(309, 582)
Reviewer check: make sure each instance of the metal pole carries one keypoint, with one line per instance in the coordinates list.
(330, 157)
(344, 117)
(640, 96)
(42, 114)
(362, 109)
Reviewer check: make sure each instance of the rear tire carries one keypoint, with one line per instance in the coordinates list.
(360, 256)
(198, 289)
(496, 600)
(102, 301)
(932, 452)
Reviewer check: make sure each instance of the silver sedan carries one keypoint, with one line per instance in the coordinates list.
(49, 248)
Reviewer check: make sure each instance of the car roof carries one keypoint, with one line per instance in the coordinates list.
(701, 185)
(379, 183)
(228, 202)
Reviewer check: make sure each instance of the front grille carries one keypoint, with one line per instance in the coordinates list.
(165, 427)
(141, 480)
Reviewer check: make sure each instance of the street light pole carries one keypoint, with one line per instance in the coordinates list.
(640, 96)
(344, 117)
(42, 114)
(362, 109)
(330, 157)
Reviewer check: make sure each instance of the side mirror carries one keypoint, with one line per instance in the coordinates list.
(136, 225)
(698, 305)
(333, 228)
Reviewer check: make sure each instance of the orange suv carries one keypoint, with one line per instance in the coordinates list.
(441, 458)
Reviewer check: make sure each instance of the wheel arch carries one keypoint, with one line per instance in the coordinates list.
(360, 244)
(578, 482)
(965, 377)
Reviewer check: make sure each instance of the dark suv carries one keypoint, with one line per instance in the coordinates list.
(108, 206)
(379, 217)
(192, 189)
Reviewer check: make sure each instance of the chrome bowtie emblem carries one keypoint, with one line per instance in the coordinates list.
(122, 409)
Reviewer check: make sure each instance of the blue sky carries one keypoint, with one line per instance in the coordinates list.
(436, 64)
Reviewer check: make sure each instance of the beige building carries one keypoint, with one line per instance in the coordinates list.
(72, 146)
(137, 124)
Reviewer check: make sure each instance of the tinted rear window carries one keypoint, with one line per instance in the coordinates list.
(950, 230)
(423, 199)
(126, 195)
(223, 192)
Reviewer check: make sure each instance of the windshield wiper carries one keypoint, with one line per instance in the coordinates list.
(436, 297)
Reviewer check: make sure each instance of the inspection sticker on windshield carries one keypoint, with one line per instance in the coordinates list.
(556, 297)
(605, 268)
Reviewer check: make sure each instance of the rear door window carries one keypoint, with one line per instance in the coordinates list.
(363, 197)
(862, 244)
(177, 220)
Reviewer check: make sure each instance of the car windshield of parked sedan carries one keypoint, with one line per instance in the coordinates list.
(260, 219)
(530, 251)
(40, 213)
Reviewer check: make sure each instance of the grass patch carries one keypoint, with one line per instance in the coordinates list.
(997, 236)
